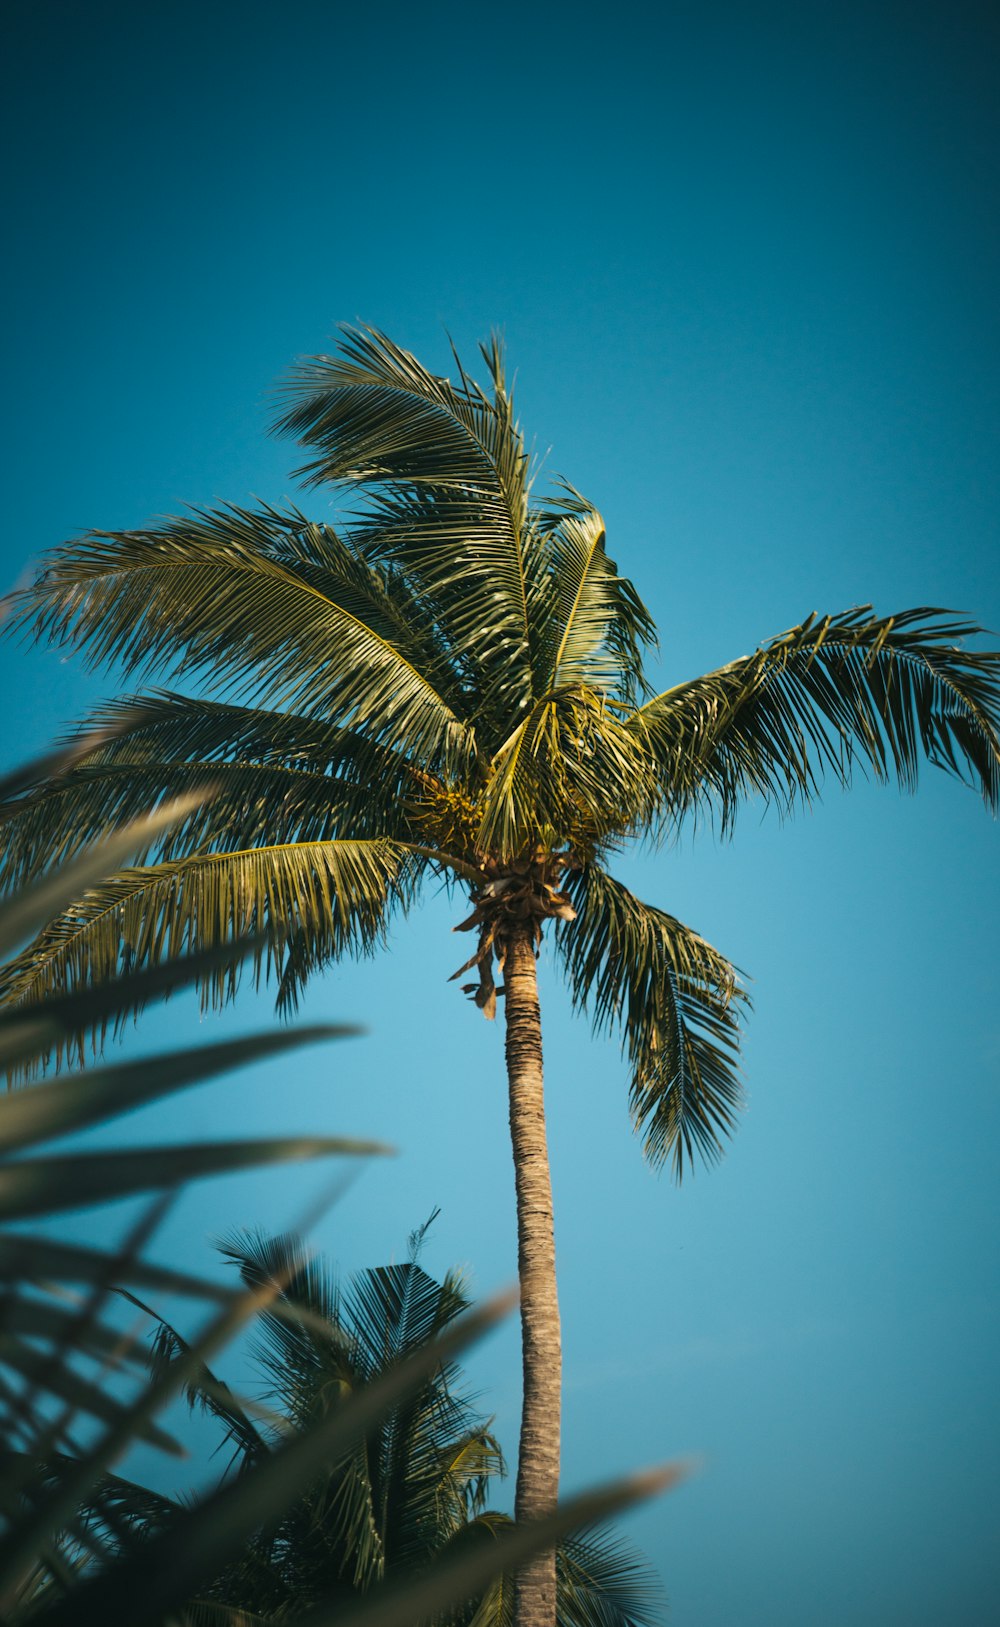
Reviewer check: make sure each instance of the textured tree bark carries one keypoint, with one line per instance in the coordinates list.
(538, 1456)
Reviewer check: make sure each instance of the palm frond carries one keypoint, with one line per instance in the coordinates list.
(49, 766)
(276, 778)
(424, 1470)
(49, 1184)
(60, 1107)
(334, 565)
(35, 903)
(308, 1350)
(832, 693)
(415, 1478)
(570, 774)
(253, 804)
(423, 1465)
(163, 723)
(59, 1381)
(59, 1348)
(117, 1507)
(435, 544)
(208, 1394)
(27, 1034)
(595, 624)
(115, 1516)
(418, 1492)
(467, 1569)
(677, 1003)
(212, 593)
(26, 1257)
(466, 1467)
(602, 1581)
(412, 1494)
(396, 1309)
(340, 893)
(446, 471)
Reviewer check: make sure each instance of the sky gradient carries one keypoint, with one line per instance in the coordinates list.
(746, 259)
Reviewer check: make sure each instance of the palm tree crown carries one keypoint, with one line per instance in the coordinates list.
(454, 682)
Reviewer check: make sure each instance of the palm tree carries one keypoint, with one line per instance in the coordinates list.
(453, 684)
(408, 1495)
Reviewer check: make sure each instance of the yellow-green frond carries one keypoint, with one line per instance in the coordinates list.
(336, 894)
(833, 693)
(218, 594)
(287, 779)
(569, 775)
(442, 462)
(594, 623)
(676, 1002)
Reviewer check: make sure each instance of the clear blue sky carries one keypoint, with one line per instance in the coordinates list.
(746, 260)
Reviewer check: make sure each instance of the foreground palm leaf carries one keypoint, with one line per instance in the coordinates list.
(454, 685)
(57, 1346)
(411, 1494)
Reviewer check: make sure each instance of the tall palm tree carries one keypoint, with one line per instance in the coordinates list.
(454, 684)
(408, 1496)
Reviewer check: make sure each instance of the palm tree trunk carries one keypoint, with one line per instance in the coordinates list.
(538, 1456)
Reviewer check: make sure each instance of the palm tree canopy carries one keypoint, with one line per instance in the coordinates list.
(412, 1492)
(452, 682)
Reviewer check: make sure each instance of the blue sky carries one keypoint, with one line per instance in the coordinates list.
(746, 260)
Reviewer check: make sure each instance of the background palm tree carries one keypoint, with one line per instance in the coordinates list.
(454, 685)
(411, 1492)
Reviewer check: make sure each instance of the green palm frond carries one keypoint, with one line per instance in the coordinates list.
(492, 652)
(115, 1514)
(47, 767)
(425, 1468)
(118, 1507)
(395, 1309)
(304, 1279)
(303, 1353)
(163, 723)
(282, 784)
(68, 1105)
(206, 1393)
(601, 1581)
(677, 1003)
(253, 804)
(464, 1473)
(37, 902)
(510, 814)
(210, 592)
(419, 1473)
(595, 624)
(69, 1402)
(570, 774)
(833, 692)
(402, 1492)
(340, 893)
(377, 593)
(446, 472)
